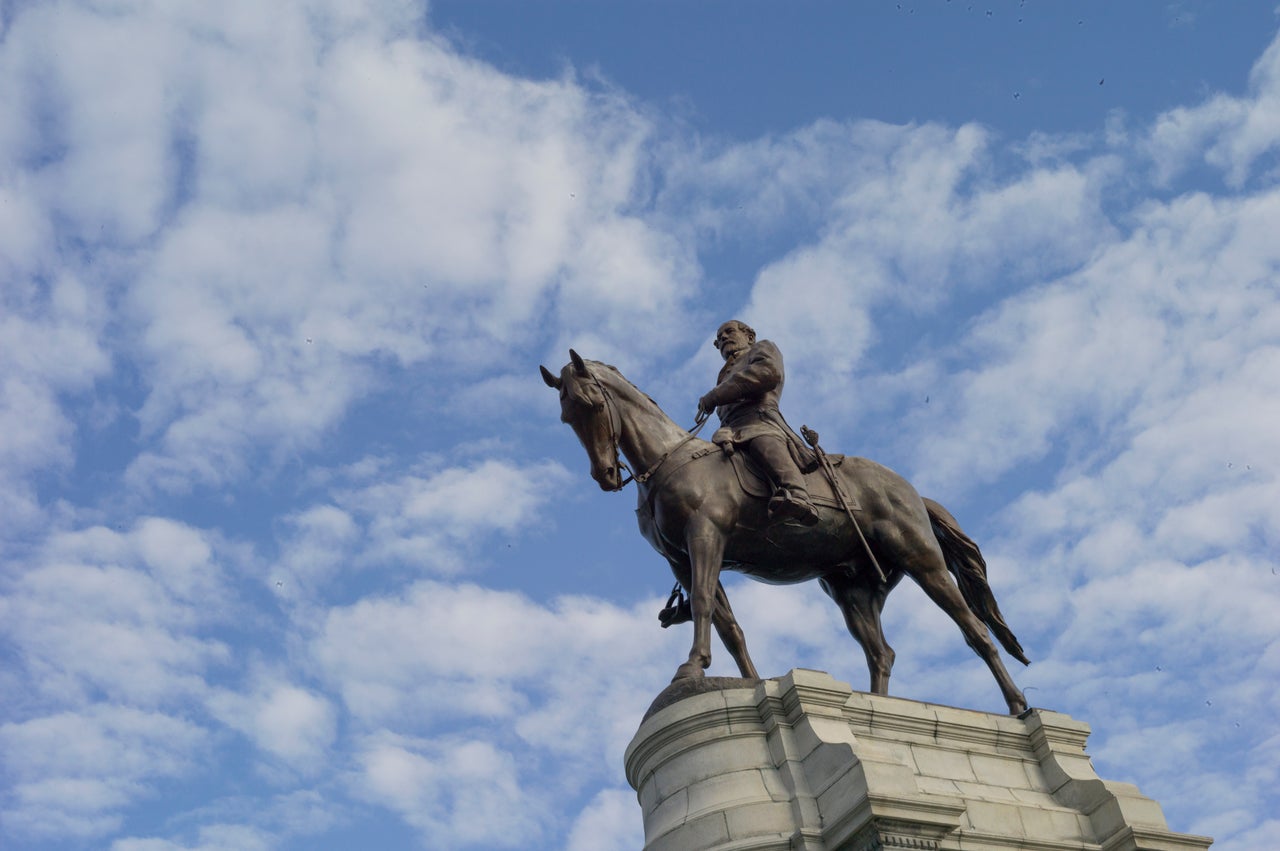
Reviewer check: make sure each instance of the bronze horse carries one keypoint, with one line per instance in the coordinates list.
(696, 515)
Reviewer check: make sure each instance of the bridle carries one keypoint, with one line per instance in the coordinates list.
(615, 439)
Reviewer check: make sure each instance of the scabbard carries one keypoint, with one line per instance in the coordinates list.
(811, 437)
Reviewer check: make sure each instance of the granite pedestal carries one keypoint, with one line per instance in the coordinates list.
(805, 763)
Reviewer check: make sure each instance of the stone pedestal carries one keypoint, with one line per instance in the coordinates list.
(805, 763)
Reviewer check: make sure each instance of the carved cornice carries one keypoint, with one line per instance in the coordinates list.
(886, 835)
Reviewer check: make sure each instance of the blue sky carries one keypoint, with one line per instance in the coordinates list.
(296, 552)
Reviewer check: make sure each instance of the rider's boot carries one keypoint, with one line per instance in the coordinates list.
(792, 506)
(790, 503)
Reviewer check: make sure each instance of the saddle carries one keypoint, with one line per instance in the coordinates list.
(755, 484)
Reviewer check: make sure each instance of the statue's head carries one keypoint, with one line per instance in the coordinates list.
(733, 337)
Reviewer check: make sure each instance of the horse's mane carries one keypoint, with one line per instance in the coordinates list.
(618, 373)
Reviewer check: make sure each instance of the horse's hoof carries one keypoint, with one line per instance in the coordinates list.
(688, 671)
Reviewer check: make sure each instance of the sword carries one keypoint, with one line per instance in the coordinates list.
(811, 438)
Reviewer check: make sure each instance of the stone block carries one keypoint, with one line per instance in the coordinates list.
(1052, 823)
(996, 818)
(824, 765)
(710, 758)
(725, 790)
(760, 819)
(937, 786)
(777, 786)
(999, 771)
(986, 792)
(670, 813)
(943, 762)
(707, 832)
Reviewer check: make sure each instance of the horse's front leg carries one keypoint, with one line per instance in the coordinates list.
(706, 554)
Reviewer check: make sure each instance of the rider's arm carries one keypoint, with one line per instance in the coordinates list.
(762, 373)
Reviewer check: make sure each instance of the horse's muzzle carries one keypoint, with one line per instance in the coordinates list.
(608, 478)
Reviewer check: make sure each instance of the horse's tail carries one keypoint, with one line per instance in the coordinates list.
(966, 563)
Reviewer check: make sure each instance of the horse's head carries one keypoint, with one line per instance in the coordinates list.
(585, 406)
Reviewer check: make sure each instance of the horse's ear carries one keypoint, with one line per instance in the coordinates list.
(578, 363)
(553, 381)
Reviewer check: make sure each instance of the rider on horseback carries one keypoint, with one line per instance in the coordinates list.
(746, 397)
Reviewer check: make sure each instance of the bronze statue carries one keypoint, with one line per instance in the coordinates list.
(705, 510)
(746, 397)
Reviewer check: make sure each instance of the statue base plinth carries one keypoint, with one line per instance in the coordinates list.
(805, 762)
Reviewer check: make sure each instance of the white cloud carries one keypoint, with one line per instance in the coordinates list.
(922, 218)
(455, 792)
(502, 667)
(1263, 835)
(119, 614)
(212, 837)
(432, 520)
(608, 823)
(50, 347)
(392, 658)
(294, 725)
(301, 196)
(248, 822)
(316, 544)
(74, 771)
(1184, 302)
(112, 633)
(1227, 132)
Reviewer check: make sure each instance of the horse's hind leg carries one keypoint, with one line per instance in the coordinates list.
(929, 569)
(731, 634)
(861, 604)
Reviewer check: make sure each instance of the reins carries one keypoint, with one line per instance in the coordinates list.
(614, 439)
(693, 432)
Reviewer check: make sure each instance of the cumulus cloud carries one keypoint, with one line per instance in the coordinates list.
(608, 824)
(213, 837)
(435, 651)
(1148, 377)
(315, 544)
(923, 215)
(292, 205)
(75, 771)
(430, 520)
(49, 343)
(1230, 133)
(503, 675)
(457, 792)
(1184, 305)
(119, 613)
(294, 725)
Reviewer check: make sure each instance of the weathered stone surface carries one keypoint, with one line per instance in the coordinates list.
(803, 762)
(681, 689)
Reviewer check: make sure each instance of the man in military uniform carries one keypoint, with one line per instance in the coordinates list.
(746, 398)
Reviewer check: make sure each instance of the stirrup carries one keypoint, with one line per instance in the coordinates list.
(784, 507)
(678, 608)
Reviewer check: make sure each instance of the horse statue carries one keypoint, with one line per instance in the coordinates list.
(695, 509)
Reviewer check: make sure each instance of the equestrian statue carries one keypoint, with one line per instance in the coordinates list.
(757, 500)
